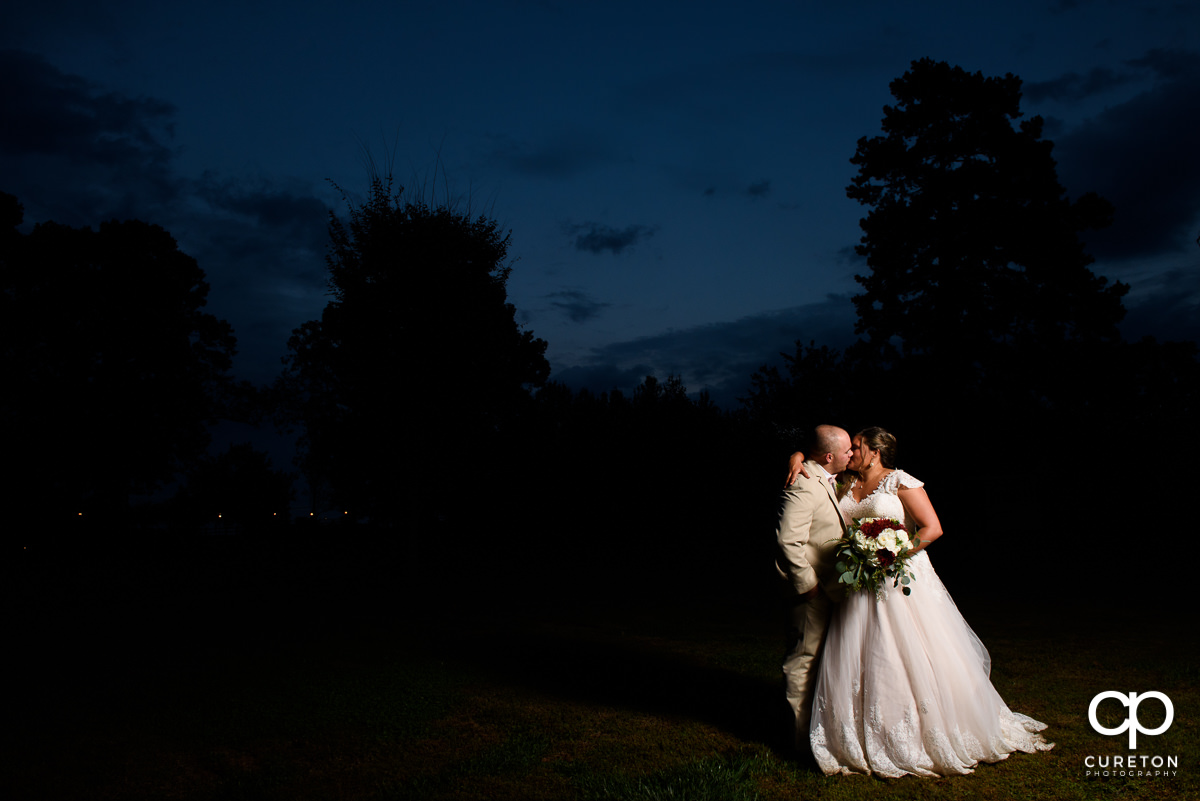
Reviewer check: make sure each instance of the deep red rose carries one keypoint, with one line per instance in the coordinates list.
(873, 528)
(885, 557)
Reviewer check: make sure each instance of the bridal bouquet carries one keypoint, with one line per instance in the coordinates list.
(876, 550)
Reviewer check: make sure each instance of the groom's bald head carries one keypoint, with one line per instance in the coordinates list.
(826, 439)
(830, 448)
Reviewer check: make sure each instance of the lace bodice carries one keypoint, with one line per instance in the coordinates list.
(883, 502)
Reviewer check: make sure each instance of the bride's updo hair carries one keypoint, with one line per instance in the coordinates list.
(877, 439)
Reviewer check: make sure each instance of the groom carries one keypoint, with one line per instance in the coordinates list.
(810, 523)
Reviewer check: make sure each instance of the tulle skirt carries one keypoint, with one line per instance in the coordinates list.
(904, 687)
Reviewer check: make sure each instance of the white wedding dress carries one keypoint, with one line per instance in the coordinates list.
(904, 682)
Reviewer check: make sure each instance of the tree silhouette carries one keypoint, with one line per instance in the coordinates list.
(972, 244)
(416, 359)
(819, 387)
(239, 488)
(985, 337)
(113, 369)
(653, 487)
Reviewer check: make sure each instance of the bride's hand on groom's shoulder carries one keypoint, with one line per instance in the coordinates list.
(796, 468)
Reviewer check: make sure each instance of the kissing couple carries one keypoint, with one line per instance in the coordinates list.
(880, 682)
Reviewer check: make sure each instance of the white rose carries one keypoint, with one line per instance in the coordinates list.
(887, 539)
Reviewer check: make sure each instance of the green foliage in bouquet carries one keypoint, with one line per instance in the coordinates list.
(877, 549)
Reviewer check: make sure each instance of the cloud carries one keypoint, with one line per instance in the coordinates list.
(1073, 87)
(1168, 309)
(1142, 156)
(288, 211)
(848, 256)
(1169, 63)
(78, 154)
(577, 305)
(717, 357)
(262, 241)
(104, 154)
(603, 377)
(564, 155)
(758, 190)
(49, 111)
(597, 238)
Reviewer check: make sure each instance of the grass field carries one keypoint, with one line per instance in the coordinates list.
(493, 698)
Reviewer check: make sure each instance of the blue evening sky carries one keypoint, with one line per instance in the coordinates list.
(673, 173)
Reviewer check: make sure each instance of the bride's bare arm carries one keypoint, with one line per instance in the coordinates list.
(796, 467)
(918, 511)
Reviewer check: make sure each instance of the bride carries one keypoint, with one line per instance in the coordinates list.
(903, 685)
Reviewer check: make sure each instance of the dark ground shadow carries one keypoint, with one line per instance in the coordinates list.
(602, 659)
(98, 631)
(93, 629)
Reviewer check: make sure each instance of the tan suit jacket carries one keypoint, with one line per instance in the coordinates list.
(810, 524)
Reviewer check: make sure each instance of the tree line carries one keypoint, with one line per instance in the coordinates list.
(420, 403)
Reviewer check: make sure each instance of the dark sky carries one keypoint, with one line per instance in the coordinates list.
(673, 172)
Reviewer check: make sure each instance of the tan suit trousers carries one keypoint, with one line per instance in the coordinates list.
(807, 623)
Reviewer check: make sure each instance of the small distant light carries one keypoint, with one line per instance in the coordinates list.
(218, 515)
(274, 514)
(345, 513)
(81, 514)
(310, 514)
